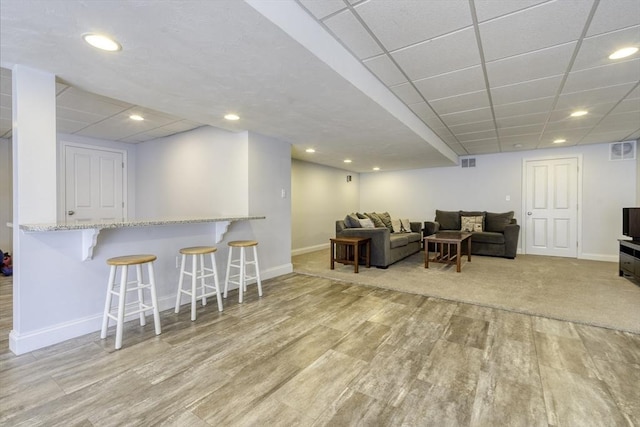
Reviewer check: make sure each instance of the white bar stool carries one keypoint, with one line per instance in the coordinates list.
(242, 278)
(199, 271)
(136, 307)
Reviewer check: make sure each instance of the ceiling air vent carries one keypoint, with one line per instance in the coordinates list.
(468, 163)
(625, 150)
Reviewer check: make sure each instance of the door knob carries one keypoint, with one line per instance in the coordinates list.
(529, 213)
(71, 212)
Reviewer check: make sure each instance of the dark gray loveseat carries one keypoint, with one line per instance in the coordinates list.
(499, 235)
(386, 247)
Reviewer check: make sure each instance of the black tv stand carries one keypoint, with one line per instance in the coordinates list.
(630, 259)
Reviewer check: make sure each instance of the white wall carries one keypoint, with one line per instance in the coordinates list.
(197, 173)
(607, 187)
(6, 194)
(319, 196)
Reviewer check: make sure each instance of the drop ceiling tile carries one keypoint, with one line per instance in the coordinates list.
(473, 127)
(607, 75)
(634, 136)
(582, 100)
(565, 125)
(604, 137)
(523, 91)
(407, 93)
(595, 110)
(401, 23)
(486, 10)
(69, 126)
(571, 135)
(454, 83)
(323, 8)
(522, 120)
(634, 94)
(384, 68)
(471, 116)
(521, 130)
(467, 101)
(630, 120)
(531, 66)
(483, 149)
(531, 139)
(533, 106)
(457, 50)
(347, 29)
(477, 136)
(422, 110)
(80, 100)
(595, 50)
(436, 125)
(519, 147)
(80, 116)
(141, 137)
(627, 106)
(614, 14)
(563, 23)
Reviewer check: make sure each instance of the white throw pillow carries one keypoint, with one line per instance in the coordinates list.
(397, 225)
(406, 226)
(366, 223)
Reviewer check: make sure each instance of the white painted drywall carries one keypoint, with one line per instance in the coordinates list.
(6, 194)
(319, 196)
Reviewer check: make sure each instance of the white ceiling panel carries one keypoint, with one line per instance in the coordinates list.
(593, 97)
(321, 9)
(519, 92)
(347, 29)
(401, 23)
(482, 149)
(523, 120)
(614, 14)
(600, 137)
(627, 106)
(523, 108)
(489, 9)
(473, 127)
(425, 59)
(477, 136)
(521, 130)
(422, 110)
(469, 116)
(384, 68)
(608, 75)
(467, 101)
(531, 66)
(451, 84)
(407, 93)
(545, 25)
(595, 50)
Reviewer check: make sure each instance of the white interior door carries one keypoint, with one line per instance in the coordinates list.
(93, 185)
(551, 207)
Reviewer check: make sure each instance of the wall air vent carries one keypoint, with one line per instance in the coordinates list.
(625, 150)
(468, 162)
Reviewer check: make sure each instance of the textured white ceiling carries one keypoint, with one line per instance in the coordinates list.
(485, 76)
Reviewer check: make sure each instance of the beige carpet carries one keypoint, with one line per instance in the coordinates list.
(589, 292)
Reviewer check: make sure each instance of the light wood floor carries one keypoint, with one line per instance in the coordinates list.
(313, 352)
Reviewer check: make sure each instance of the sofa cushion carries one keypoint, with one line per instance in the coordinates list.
(397, 225)
(498, 221)
(398, 240)
(377, 222)
(413, 237)
(488, 237)
(366, 223)
(386, 220)
(448, 220)
(471, 223)
(475, 213)
(352, 221)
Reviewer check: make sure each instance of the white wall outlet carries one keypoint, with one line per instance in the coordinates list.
(508, 198)
(283, 193)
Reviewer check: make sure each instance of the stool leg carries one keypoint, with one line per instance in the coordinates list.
(154, 299)
(259, 282)
(226, 279)
(203, 290)
(143, 319)
(215, 280)
(194, 273)
(242, 286)
(121, 302)
(180, 282)
(107, 304)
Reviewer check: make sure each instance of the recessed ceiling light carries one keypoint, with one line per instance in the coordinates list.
(376, 168)
(559, 141)
(347, 160)
(579, 113)
(136, 117)
(310, 150)
(623, 53)
(102, 42)
(232, 117)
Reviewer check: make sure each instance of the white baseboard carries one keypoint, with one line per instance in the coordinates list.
(34, 340)
(599, 257)
(309, 249)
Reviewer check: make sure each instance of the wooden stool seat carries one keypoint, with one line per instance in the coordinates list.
(198, 272)
(241, 263)
(198, 250)
(120, 292)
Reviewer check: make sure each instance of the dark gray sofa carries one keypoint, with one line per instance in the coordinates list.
(386, 247)
(499, 236)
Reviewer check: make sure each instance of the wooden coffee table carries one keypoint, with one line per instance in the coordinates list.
(448, 239)
(346, 250)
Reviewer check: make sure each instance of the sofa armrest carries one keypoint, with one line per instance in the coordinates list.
(430, 227)
(380, 242)
(415, 227)
(511, 235)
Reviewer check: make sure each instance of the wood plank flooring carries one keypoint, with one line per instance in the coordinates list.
(315, 352)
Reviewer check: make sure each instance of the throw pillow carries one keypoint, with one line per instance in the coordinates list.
(386, 219)
(448, 220)
(406, 225)
(471, 223)
(397, 225)
(352, 221)
(377, 222)
(475, 213)
(497, 222)
(366, 223)
(360, 215)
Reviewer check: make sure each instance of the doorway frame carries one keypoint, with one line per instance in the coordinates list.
(523, 228)
(62, 168)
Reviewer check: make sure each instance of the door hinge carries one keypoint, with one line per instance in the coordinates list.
(122, 165)
(123, 204)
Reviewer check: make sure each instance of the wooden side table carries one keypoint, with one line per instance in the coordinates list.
(449, 238)
(346, 250)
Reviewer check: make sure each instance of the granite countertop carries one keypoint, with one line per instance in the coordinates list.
(131, 223)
